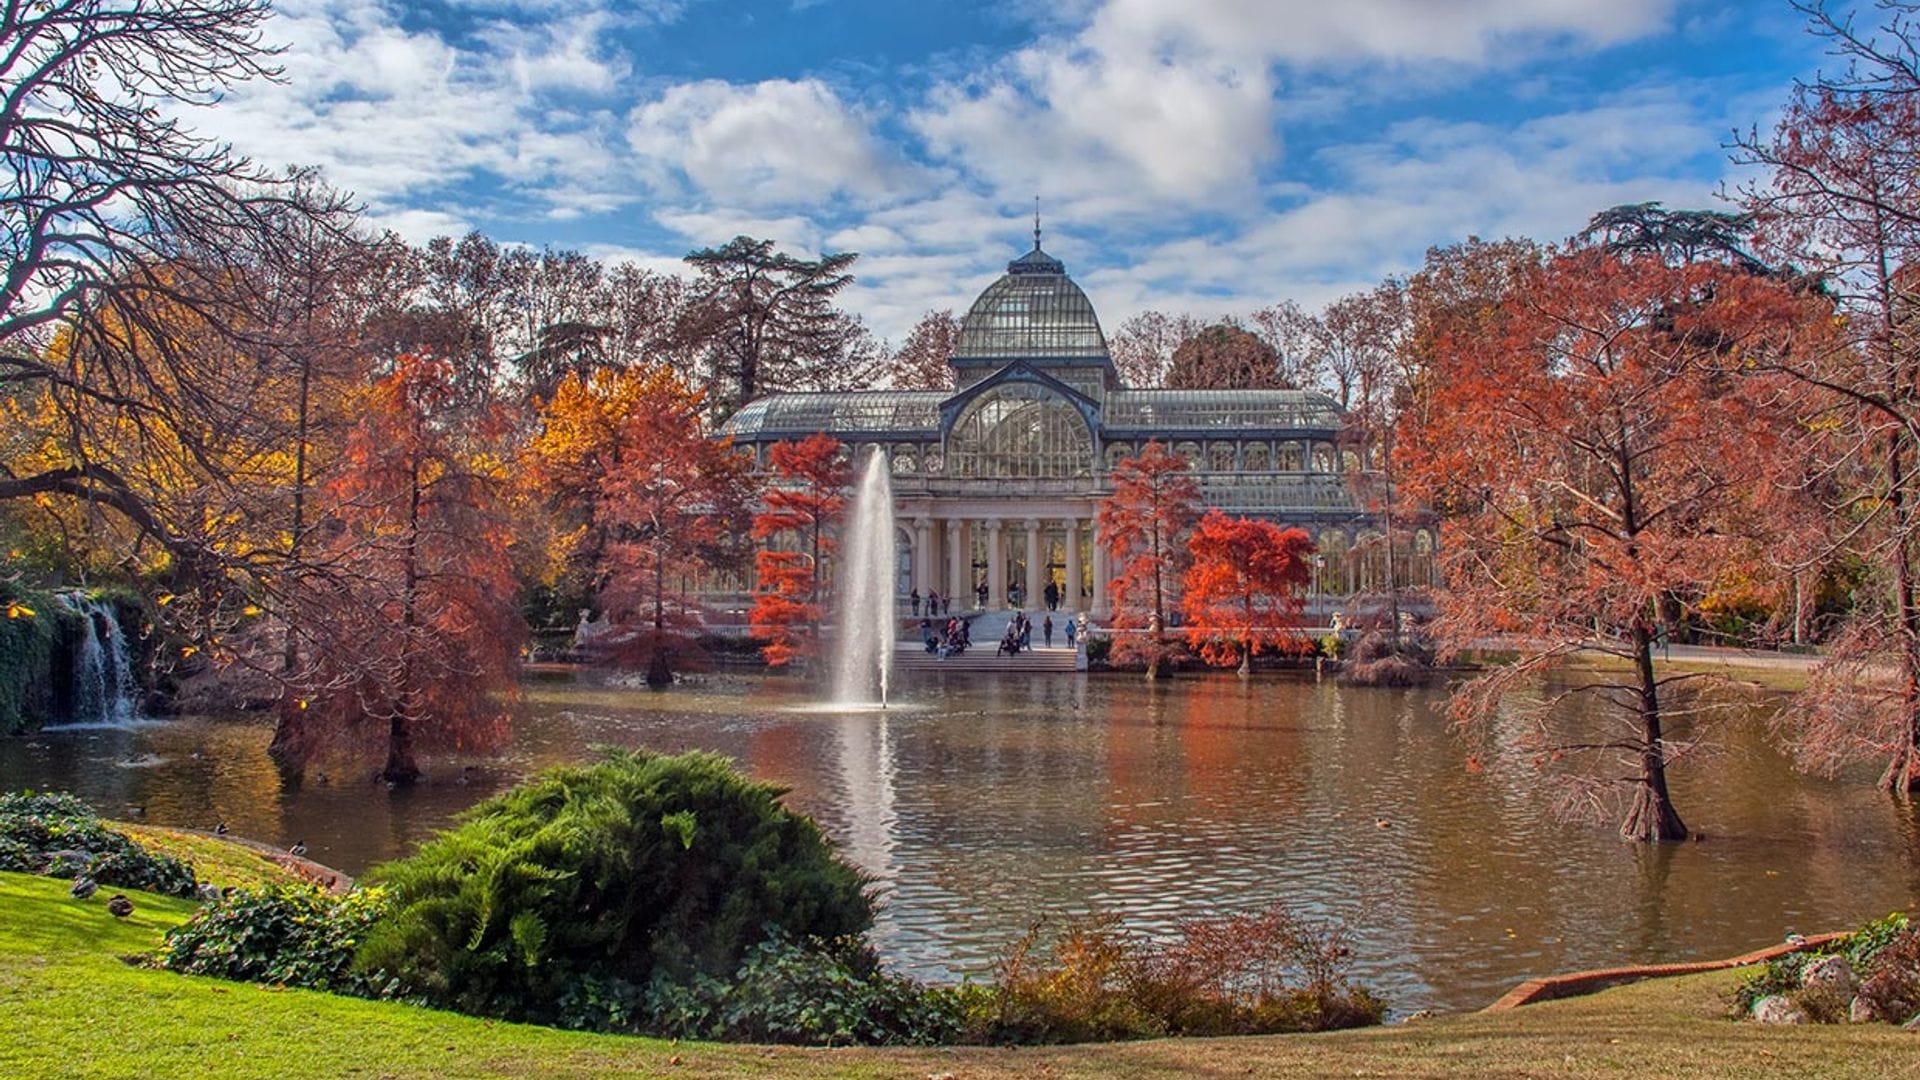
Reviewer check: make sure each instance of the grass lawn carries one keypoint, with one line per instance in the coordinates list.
(213, 860)
(72, 1008)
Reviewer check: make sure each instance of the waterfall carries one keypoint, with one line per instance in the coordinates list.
(864, 579)
(104, 689)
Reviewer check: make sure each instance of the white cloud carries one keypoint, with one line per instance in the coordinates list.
(401, 116)
(1316, 31)
(1155, 103)
(778, 142)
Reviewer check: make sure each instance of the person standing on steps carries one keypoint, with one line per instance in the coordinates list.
(1052, 595)
(914, 596)
(1070, 635)
(1046, 628)
(982, 593)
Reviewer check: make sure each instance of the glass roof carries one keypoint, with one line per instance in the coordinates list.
(783, 415)
(1224, 410)
(1035, 311)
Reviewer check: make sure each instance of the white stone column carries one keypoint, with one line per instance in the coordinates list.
(1070, 601)
(923, 555)
(1034, 597)
(1099, 606)
(956, 564)
(996, 564)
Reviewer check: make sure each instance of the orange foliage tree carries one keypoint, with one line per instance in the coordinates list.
(415, 631)
(672, 507)
(1593, 463)
(806, 494)
(1242, 593)
(1144, 524)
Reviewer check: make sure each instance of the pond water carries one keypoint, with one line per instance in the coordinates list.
(982, 803)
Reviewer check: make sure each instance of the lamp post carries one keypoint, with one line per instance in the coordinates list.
(1313, 591)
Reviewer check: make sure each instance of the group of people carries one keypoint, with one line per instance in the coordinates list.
(1019, 635)
(951, 641)
(933, 601)
(936, 604)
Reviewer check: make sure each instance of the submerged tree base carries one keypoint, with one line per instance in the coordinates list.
(1651, 819)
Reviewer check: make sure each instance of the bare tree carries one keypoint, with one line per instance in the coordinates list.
(1840, 198)
(923, 361)
(116, 210)
(1290, 332)
(1144, 345)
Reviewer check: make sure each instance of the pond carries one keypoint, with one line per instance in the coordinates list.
(983, 802)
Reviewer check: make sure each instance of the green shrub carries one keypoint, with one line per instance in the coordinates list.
(1099, 648)
(1263, 973)
(60, 836)
(591, 880)
(31, 631)
(288, 935)
(1885, 954)
(816, 993)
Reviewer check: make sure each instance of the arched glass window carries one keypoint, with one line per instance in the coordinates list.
(1020, 430)
(1291, 458)
(1116, 452)
(1332, 550)
(934, 463)
(904, 460)
(1323, 458)
(1253, 457)
(1189, 451)
(1350, 461)
(1220, 457)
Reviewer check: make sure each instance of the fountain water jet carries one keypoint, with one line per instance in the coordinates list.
(864, 579)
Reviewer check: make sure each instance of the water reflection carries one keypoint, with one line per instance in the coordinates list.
(996, 799)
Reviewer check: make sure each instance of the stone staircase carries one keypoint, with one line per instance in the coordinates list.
(910, 653)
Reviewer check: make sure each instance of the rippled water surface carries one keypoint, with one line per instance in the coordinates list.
(982, 803)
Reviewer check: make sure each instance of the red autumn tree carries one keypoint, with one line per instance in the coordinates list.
(674, 505)
(1242, 593)
(415, 630)
(805, 495)
(1144, 524)
(1593, 463)
(1838, 202)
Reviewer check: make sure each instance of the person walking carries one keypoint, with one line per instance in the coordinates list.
(1052, 594)
(915, 597)
(982, 593)
(1026, 632)
(1046, 630)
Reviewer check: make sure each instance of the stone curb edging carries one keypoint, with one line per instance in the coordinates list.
(1553, 987)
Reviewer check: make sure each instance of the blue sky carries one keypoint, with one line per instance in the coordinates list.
(1203, 155)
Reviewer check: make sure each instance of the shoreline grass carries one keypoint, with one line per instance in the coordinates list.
(74, 1009)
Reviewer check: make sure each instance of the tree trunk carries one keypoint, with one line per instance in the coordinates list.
(1902, 777)
(291, 745)
(1651, 818)
(659, 668)
(1903, 769)
(401, 766)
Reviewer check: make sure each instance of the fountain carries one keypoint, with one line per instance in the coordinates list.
(864, 580)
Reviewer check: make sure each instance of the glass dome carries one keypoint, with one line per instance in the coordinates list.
(1035, 311)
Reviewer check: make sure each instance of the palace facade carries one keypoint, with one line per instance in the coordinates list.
(999, 482)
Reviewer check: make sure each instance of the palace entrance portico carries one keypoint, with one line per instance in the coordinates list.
(1016, 548)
